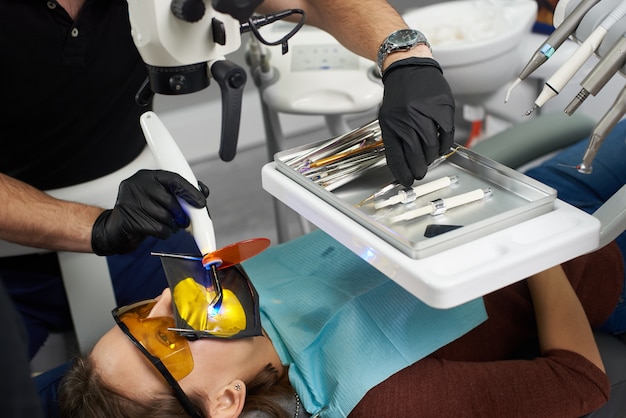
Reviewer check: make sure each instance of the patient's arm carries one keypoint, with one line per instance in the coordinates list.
(560, 385)
(561, 320)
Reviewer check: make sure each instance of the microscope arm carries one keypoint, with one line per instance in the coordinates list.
(231, 79)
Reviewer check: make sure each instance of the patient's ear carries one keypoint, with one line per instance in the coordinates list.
(229, 400)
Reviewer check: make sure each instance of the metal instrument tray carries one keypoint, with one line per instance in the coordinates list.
(515, 198)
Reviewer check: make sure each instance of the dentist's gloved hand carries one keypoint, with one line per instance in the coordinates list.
(416, 117)
(146, 205)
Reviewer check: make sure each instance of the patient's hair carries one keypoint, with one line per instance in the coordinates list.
(83, 394)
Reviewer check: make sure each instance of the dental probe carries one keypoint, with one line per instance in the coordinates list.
(602, 129)
(380, 192)
(439, 206)
(554, 41)
(410, 194)
(564, 74)
(600, 74)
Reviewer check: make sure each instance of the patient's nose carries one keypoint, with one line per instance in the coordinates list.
(163, 307)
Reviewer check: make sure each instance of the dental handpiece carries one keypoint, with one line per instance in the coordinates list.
(553, 42)
(602, 129)
(600, 74)
(565, 73)
(410, 194)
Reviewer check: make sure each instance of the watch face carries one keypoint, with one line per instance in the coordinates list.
(403, 37)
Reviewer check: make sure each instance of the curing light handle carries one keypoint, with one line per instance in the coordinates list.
(170, 158)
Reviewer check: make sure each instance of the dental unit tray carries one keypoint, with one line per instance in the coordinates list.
(514, 198)
(519, 230)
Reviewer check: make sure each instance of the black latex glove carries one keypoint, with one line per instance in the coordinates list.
(416, 117)
(146, 205)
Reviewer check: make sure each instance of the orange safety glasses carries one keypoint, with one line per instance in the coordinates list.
(165, 349)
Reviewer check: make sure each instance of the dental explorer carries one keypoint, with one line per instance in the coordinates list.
(604, 126)
(600, 74)
(554, 41)
(564, 74)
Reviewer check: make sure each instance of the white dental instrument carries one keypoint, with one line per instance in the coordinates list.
(439, 206)
(565, 73)
(394, 185)
(169, 157)
(410, 194)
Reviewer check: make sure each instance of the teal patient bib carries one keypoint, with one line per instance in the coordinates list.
(341, 325)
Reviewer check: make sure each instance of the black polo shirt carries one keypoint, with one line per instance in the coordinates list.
(68, 91)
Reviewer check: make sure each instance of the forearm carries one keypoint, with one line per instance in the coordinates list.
(30, 217)
(561, 320)
(360, 25)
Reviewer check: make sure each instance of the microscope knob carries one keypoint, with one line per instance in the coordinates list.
(188, 10)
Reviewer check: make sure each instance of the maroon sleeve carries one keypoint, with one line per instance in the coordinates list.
(560, 384)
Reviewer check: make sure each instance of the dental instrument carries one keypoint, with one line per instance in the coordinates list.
(600, 74)
(393, 185)
(410, 194)
(340, 166)
(554, 41)
(169, 157)
(379, 193)
(440, 206)
(564, 74)
(351, 171)
(356, 137)
(350, 153)
(604, 126)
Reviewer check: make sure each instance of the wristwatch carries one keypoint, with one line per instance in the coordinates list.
(400, 40)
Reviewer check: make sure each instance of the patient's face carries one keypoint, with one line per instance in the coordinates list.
(123, 366)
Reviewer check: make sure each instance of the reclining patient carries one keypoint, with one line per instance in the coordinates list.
(340, 339)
